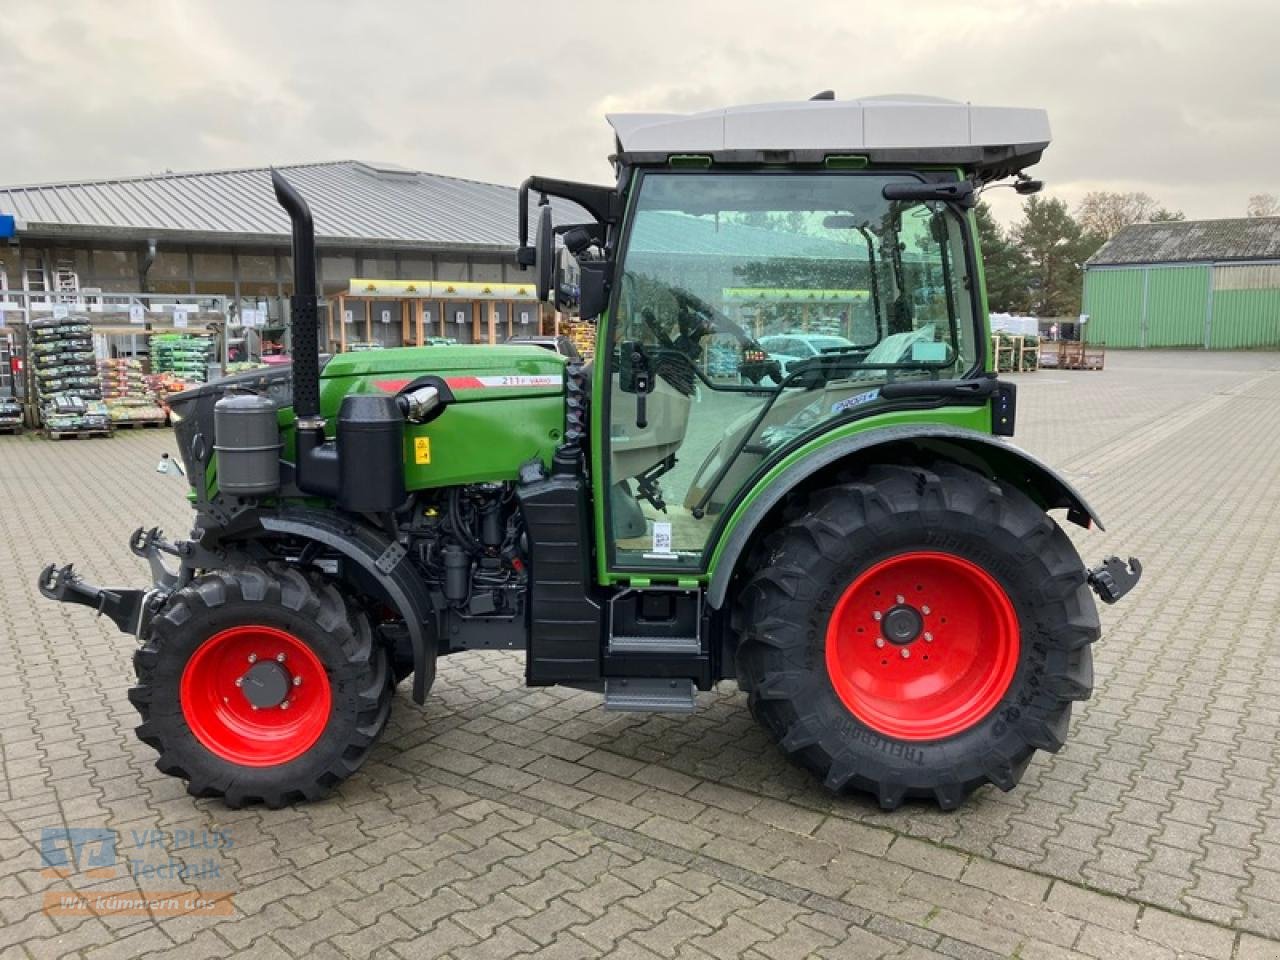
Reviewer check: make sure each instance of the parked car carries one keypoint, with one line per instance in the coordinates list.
(790, 349)
(560, 344)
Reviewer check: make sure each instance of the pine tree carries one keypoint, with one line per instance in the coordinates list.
(1007, 270)
(1056, 248)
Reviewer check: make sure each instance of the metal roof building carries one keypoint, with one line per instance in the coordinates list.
(221, 234)
(1213, 284)
(355, 204)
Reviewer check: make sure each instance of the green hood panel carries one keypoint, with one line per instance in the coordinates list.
(509, 407)
(472, 371)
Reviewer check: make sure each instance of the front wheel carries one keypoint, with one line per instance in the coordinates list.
(917, 633)
(261, 684)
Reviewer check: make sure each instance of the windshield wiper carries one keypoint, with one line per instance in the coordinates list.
(953, 191)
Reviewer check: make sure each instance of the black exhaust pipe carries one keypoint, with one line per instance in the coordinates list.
(317, 461)
(304, 310)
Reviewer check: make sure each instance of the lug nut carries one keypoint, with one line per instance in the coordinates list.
(254, 706)
(875, 615)
(905, 653)
(239, 681)
(284, 705)
(879, 641)
(279, 658)
(901, 599)
(253, 658)
(924, 610)
(928, 637)
(297, 681)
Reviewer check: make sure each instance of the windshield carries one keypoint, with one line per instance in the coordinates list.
(821, 258)
(764, 306)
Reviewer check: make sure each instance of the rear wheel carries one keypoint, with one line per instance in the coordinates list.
(261, 685)
(917, 633)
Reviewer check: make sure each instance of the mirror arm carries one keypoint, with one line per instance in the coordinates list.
(524, 252)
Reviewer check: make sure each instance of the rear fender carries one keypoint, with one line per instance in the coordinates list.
(388, 576)
(990, 456)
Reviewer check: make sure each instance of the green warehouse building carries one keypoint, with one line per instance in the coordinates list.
(1213, 284)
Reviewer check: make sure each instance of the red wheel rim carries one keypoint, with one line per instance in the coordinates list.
(237, 666)
(922, 646)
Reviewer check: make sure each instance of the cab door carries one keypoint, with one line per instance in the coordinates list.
(686, 431)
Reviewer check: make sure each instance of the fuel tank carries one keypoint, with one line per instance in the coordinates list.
(508, 406)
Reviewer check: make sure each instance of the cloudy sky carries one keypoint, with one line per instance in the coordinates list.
(1179, 99)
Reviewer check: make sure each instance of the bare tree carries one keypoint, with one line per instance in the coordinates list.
(1104, 213)
(1263, 205)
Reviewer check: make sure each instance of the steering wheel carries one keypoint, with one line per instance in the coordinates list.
(709, 319)
(650, 320)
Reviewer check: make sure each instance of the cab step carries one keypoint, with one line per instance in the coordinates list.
(649, 695)
(674, 646)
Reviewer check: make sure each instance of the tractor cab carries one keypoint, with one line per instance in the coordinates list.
(843, 220)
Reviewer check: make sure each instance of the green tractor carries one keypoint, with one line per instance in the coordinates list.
(848, 535)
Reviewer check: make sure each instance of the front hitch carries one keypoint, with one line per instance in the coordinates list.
(125, 608)
(1112, 579)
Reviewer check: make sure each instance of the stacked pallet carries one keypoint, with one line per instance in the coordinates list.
(67, 377)
(185, 356)
(165, 385)
(66, 415)
(62, 355)
(1015, 352)
(130, 400)
(1073, 355)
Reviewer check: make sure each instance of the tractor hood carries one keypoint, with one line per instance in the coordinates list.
(473, 372)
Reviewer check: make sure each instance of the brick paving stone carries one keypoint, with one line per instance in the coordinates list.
(927, 857)
(1181, 933)
(546, 924)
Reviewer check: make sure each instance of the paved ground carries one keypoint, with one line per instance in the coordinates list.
(498, 821)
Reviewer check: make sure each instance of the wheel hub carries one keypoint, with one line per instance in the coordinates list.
(902, 624)
(266, 684)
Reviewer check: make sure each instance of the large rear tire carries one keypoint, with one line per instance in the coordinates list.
(261, 684)
(917, 633)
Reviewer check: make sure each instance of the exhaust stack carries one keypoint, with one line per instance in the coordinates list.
(317, 461)
(304, 319)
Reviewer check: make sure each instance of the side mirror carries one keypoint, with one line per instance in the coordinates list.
(593, 289)
(544, 244)
(566, 281)
(591, 269)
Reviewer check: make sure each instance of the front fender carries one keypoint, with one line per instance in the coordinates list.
(384, 564)
(991, 456)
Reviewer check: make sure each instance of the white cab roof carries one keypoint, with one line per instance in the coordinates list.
(891, 123)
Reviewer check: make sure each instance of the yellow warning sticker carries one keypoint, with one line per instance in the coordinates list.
(421, 450)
